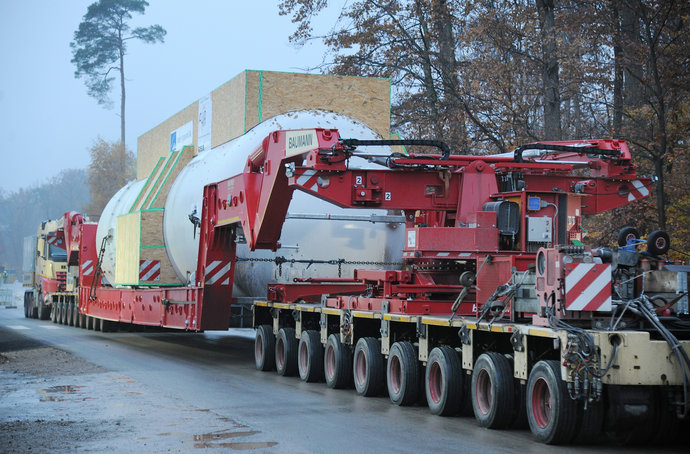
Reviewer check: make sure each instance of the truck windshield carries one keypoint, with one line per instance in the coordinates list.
(57, 254)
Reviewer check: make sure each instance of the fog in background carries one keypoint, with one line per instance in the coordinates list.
(47, 120)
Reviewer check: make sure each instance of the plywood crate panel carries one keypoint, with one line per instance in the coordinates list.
(254, 96)
(180, 161)
(126, 249)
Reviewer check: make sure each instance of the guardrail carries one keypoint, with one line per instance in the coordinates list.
(7, 298)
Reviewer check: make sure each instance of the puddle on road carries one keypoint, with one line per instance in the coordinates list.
(212, 439)
(245, 446)
(222, 435)
(58, 393)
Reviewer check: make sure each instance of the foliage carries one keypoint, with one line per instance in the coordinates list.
(100, 45)
(111, 167)
(481, 75)
(23, 210)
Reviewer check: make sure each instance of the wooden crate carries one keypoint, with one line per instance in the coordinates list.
(140, 255)
(254, 96)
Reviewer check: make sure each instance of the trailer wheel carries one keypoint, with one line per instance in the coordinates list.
(493, 391)
(61, 312)
(286, 352)
(402, 374)
(43, 311)
(82, 321)
(367, 367)
(90, 322)
(627, 233)
(264, 348)
(108, 326)
(33, 310)
(551, 412)
(69, 321)
(26, 304)
(444, 381)
(76, 316)
(337, 363)
(658, 242)
(590, 422)
(310, 356)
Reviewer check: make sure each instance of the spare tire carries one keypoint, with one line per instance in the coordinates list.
(627, 233)
(658, 242)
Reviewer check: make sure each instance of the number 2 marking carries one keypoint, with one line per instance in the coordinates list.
(387, 196)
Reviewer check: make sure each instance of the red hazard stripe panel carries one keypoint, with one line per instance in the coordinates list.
(588, 287)
(309, 180)
(218, 272)
(149, 270)
(639, 191)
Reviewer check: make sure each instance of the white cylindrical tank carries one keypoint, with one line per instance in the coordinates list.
(300, 239)
(118, 205)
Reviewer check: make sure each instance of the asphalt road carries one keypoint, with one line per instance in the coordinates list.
(162, 392)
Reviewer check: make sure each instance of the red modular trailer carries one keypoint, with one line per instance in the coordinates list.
(497, 298)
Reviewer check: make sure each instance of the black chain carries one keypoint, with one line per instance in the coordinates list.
(279, 260)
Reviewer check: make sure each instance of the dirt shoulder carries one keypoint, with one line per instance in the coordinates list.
(52, 401)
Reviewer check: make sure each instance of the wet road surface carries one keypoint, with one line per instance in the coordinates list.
(174, 392)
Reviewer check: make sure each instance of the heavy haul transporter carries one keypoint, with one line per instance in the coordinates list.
(498, 308)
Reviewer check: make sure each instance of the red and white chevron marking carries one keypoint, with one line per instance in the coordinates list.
(309, 180)
(639, 191)
(218, 271)
(587, 287)
(149, 270)
(87, 268)
(54, 240)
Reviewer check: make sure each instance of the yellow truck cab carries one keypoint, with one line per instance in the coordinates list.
(49, 270)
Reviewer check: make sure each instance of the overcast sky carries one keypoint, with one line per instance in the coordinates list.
(47, 121)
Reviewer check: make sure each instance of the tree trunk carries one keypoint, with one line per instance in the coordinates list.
(122, 99)
(617, 72)
(552, 99)
(660, 196)
(430, 89)
(446, 43)
(633, 88)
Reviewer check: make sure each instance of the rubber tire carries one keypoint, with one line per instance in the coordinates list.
(368, 369)
(69, 321)
(443, 381)
(264, 348)
(493, 391)
(286, 352)
(90, 322)
(310, 357)
(27, 303)
(337, 363)
(108, 326)
(590, 422)
(658, 242)
(627, 233)
(53, 312)
(82, 321)
(43, 311)
(34, 310)
(61, 312)
(403, 376)
(557, 425)
(75, 315)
